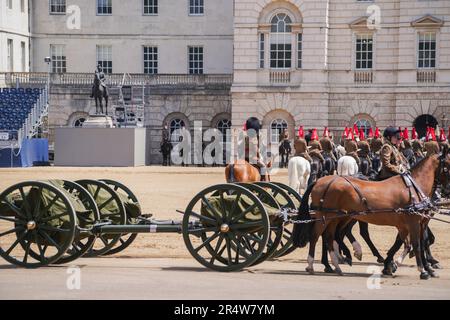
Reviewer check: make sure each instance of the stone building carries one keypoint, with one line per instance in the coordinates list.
(313, 63)
(14, 36)
(336, 62)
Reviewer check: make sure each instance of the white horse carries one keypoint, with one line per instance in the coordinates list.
(347, 166)
(299, 170)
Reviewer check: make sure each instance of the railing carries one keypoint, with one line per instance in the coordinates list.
(280, 76)
(40, 78)
(426, 76)
(363, 77)
(34, 118)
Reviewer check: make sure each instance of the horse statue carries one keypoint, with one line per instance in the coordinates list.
(339, 200)
(100, 91)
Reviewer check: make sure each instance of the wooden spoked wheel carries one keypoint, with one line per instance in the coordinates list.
(289, 227)
(217, 222)
(284, 201)
(276, 225)
(111, 209)
(35, 217)
(126, 239)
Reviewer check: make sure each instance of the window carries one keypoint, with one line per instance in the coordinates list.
(276, 128)
(427, 50)
(174, 125)
(196, 7)
(224, 125)
(195, 60)
(57, 6)
(79, 122)
(151, 60)
(57, 52)
(151, 7)
(10, 55)
(365, 125)
(9, 4)
(280, 42)
(104, 7)
(104, 58)
(261, 50)
(23, 56)
(299, 50)
(364, 51)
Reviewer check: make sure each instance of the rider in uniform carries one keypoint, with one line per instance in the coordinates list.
(392, 160)
(101, 77)
(256, 158)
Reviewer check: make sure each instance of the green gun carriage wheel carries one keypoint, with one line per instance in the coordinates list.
(276, 225)
(126, 239)
(111, 208)
(86, 218)
(289, 228)
(225, 215)
(41, 218)
(84, 240)
(285, 201)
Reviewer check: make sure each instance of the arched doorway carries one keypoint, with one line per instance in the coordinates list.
(422, 122)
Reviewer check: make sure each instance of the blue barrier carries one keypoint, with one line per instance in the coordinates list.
(33, 150)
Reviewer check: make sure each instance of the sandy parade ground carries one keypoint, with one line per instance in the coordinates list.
(156, 266)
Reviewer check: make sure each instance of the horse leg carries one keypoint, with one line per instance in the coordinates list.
(407, 249)
(424, 244)
(389, 266)
(364, 232)
(324, 260)
(329, 234)
(317, 230)
(357, 250)
(416, 241)
(429, 240)
(346, 231)
(106, 103)
(96, 105)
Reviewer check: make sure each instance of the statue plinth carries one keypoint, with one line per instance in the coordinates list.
(98, 121)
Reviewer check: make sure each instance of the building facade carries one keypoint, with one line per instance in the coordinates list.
(336, 62)
(291, 63)
(14, 36)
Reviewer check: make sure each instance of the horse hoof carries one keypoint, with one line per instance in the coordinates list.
(348, 261)
(436, 266)
(358, 255)
(387, 272)
(328, 270)
(433, 274)
(394, 267)
(424, 275)
(339, 272)
(309, 270)
(380, 260)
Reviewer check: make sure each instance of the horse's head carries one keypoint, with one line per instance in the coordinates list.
(443, 176)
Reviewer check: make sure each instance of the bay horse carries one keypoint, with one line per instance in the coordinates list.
(243, 171)
(340, 199)
(100, 93)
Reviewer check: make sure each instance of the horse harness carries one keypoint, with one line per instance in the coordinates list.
(421, 206)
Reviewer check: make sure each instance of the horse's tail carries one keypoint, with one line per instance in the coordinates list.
(231, 177)
(302, 231)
